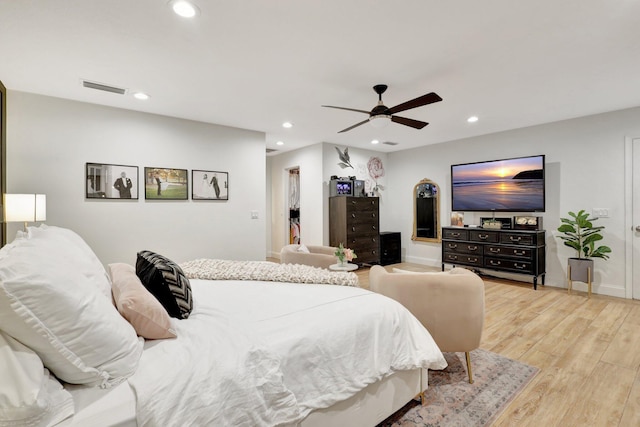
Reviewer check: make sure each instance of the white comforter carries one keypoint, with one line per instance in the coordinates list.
(267, 354)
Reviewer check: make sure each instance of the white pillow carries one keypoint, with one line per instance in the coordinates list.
(302, 248)
(47, 302)
(29, 395)
(54, 240)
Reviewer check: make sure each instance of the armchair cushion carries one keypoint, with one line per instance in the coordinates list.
(317, 256)
(449, 304)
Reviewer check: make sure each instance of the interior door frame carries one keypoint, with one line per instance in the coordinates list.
(628, 218)
(3, 159)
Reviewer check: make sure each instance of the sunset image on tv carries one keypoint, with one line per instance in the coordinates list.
(501, 185)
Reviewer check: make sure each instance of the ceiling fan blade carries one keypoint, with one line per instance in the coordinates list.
(429, 98)
(348, 109)
(409, 122)
(354, 126)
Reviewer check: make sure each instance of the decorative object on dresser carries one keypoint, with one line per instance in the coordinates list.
(527, 223)
(496, 222)
(581, 235)
(509, 251)
(354, 221)
(390, 248)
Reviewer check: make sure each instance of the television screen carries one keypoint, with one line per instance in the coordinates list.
(509, 185)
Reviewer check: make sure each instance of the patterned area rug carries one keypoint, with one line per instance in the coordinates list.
(451, 401)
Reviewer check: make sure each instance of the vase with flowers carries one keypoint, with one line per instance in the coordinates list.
(344, 255)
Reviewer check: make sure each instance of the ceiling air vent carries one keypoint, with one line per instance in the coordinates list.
(271, 150)
(390, 143)
(103, 87)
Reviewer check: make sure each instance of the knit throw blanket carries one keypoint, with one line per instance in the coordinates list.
(216, 269)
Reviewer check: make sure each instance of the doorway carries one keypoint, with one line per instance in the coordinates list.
(293, 206)
(633, 244)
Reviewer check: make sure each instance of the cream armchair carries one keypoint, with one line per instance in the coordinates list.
(449, 304)
(318, 256)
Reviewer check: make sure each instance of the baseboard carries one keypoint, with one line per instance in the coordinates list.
(429, 262)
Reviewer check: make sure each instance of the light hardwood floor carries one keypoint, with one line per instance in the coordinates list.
(588, 352)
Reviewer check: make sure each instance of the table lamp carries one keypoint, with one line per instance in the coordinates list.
(25, 208)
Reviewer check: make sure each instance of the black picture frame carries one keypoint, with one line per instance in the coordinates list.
(166, 183)
(209, 185)
(104, 181)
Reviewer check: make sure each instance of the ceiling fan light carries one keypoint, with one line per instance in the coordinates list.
(380, 120)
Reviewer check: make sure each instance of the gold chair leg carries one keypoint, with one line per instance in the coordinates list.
(467, 355)
(569, 279)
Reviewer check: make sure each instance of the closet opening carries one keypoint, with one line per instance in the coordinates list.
(294, 206)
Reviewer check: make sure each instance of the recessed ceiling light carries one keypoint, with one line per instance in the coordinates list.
(287, 125)
(279, 143)
(375, 141)
(472, 119)
(184, 8)
(141, 95)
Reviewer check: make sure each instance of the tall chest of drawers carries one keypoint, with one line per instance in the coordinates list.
(511, 251)
(354, 222)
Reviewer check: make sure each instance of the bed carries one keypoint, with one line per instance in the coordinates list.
(236, 350)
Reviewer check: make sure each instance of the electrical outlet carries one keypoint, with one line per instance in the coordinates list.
(600, 212)
(254, 214)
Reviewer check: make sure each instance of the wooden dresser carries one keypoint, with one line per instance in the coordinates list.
(354, 222)
(511, 251)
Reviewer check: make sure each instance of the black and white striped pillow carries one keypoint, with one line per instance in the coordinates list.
(166, 281)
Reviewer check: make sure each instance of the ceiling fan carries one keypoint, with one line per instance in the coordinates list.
(381, 114)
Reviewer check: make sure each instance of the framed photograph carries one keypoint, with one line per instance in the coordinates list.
(209, 185)
(457, 219)
(165, 184)
(105, 181)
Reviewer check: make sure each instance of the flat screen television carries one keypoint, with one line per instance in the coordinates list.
(507, 185)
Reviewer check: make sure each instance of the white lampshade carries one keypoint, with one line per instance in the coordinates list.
(25, 208)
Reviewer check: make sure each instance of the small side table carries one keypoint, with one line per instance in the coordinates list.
(345, 267)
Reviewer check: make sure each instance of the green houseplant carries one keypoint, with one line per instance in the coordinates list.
(579, 233)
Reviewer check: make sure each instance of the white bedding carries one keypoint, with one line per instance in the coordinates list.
(272, 358)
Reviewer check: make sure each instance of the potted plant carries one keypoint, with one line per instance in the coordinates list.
(580, 234)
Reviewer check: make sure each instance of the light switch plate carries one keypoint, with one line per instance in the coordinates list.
(600, 212)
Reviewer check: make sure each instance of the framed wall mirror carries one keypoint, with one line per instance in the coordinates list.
(426, 212)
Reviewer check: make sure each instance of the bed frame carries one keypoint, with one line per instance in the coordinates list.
(372, 405)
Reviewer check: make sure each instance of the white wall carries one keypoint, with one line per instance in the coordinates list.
(584, 170)
(49, 140)
(309, 160)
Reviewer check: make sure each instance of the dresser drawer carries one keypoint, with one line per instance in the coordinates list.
(509, 265)
(455, 234)
(363, 217)
(466, 259)
(360, 241)
(484, 236)
(518, 239)
(354, 231)
(508, 251)
(462, 247)
(362, 204)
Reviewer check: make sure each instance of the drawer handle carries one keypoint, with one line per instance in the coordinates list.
(373, 240)
(515, 239)
(519, 267)
(494, 250)
(492, 262)
(455, 234)
(374, 227)
(472, 248)
(454, 257)
(483, 236)
(373, 202)
(452, 246)
(353, 215)
(353, 229)
(518, 252)
(373, 215)
(473, 259)
(353, 202)
(373, 252)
